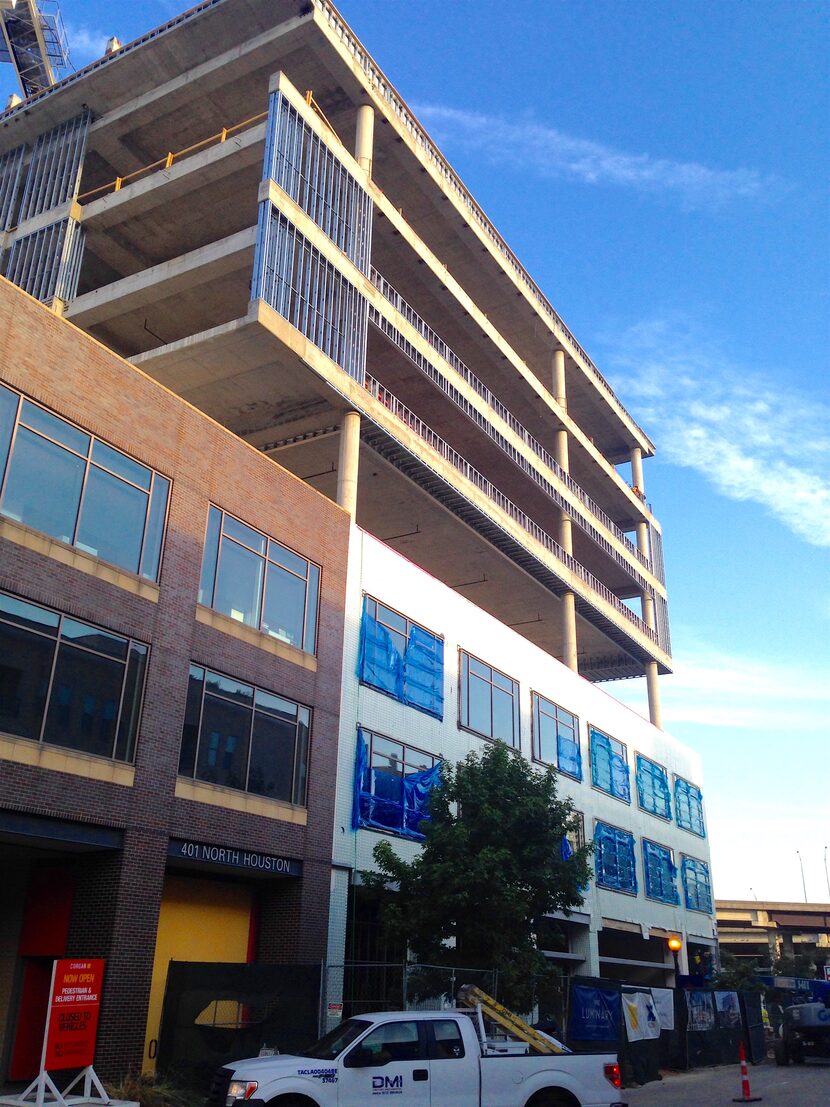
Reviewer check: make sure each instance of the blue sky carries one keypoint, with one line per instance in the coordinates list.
(661, 169)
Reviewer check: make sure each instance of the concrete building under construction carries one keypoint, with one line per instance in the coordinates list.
(241, 205)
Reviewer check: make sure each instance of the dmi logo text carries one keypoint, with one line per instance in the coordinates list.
(387, 1085)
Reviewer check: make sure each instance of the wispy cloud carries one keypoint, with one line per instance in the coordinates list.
(85, 45)
(731, 424)
(547, 151)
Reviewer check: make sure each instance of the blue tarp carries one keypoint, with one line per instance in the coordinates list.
(608, 768)
(385, 801)
(568, 755)
(688, 803)
(697, 885)
(416, 678)
(615, 862)
(594, 1014)
(653, 787)
(660, 873)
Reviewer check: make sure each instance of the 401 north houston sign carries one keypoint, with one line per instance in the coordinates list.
(233, 857)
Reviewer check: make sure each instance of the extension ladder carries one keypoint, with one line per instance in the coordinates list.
(471, 996)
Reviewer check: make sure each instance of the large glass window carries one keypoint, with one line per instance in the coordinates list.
(255, 580)
(653, 787)
(489, 700)
(688, 803)
(660, 872)
(609, 765)
(401, 658)
(68, 683)
(239, 736)
(393, 782)
(697, 885)
(70, 485)
(556, 737)
(614, 859)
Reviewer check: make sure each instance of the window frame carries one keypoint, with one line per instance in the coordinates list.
(624, 747)
(90, 463)
(632, 841)
(367, 601)
(309, 627)
(368, 735)
(576, 839)
(57, 639)
(675, 900)
(254, 688)
(638, 757)
(464, 698)
(685, 859)
(536, 700)
(677, 807)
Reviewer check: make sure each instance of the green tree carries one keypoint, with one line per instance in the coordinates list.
(737, 974)
(491, 867)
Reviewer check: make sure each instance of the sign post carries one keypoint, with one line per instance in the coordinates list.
(69, 1035)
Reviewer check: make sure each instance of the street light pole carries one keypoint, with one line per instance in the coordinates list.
(803, 881)
(826, 874)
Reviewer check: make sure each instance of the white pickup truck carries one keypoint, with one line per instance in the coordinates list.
(417, 1059)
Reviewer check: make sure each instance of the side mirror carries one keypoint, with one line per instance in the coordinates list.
(359, 1058)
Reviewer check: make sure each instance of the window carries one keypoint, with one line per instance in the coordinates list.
(70, 485)
(392, 785)
(660, 873)
(243, 737)
(609, 765)
(688, 803)
(445, 1041)
(67, 683)
(697, 885)
(393, 1041)
(614, 859)
(259, 582)
(653, 787)
(400, 658)
(556, 737)
(575, 837)
(489, 701)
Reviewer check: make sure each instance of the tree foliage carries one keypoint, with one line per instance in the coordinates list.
(737, 974)
(491, 866)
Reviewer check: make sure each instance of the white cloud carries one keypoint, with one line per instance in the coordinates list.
(540, 148)
(734, 426)
(85, 45)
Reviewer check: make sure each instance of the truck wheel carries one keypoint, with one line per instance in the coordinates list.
(291, 1101)
(553, 1099)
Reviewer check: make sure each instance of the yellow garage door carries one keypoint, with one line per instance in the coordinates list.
(200, 920)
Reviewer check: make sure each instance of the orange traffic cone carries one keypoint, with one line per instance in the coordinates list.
(746, 1094)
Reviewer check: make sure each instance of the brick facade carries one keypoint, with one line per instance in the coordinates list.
(118, 894)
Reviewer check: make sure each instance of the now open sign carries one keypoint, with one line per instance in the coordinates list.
(73, 1014)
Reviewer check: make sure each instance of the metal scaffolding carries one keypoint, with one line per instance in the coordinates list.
(33, 39)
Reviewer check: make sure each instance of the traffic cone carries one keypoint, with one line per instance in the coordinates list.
(746, 1094)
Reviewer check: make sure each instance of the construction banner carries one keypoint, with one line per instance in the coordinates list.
(73, 1014)
(640, 1016)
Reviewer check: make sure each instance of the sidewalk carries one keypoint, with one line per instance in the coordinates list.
(805, 1085)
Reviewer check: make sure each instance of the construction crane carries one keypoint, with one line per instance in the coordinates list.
(486, 1006)
(34, 41)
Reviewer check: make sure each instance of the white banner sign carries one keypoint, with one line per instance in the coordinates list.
(641, 1019)
(664, 1005)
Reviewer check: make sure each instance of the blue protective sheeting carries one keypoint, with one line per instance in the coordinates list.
(697, 885)
(615, 862)
(379, 664)
(688, 802)
(568, 755)
(416, 678)
(594, 1014)
(653, 787)
(385, 801)
(608, 768)
(660, 873)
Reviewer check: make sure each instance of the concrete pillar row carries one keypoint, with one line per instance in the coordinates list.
(560, 450)
(365, 137)
(566, 533)
(643, 544)
(637, 469)
(655, 712)
(569, 631)
(560, 393)
(647, 600)
(347, 466)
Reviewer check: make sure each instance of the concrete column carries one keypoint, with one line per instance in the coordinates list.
(364, 139)
(585, 942)
(559, 391)
(647, 601)
(655, 712)
(347, 466)
(566, 533)
(560, 450)
(569, 631)
(643, 544)
(637, 469)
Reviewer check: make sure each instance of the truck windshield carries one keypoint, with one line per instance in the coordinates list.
(337, 1040)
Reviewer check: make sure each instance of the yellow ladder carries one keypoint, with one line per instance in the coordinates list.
(471, 996)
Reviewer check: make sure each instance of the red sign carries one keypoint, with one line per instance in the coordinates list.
(73, 1014)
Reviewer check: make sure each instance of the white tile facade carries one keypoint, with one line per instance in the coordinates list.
(382, 573)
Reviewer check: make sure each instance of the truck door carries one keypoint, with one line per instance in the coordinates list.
(454, 1077)
(389, 1065)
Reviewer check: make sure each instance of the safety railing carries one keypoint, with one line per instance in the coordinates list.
(172, 156)
(425, 146)
(504, 413)
(461, 465)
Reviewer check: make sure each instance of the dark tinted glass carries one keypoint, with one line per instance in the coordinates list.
(223, 743)
(284, 608)
(272, 757)
(83, 707)
(301, 762)
(28, 614)
(43, 486)
(112, 520)
(211, 553)
(25, 666)
(93, 638)
(310, 638)
(155, 528)
(131, 703)
(190, 730)
(8, 410)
